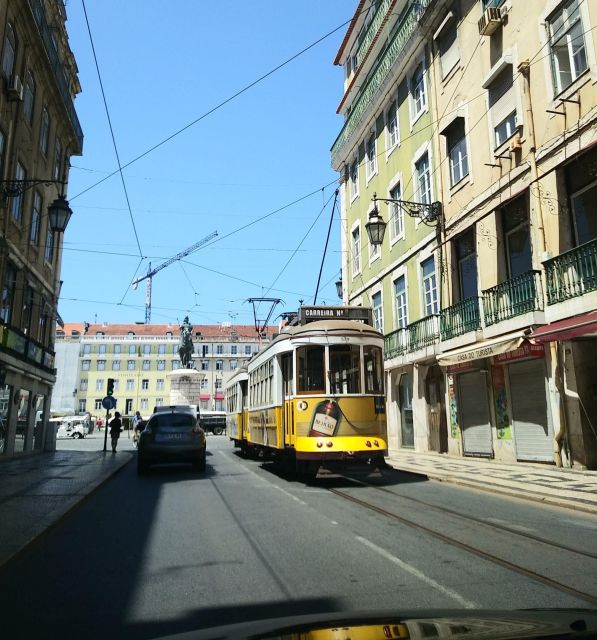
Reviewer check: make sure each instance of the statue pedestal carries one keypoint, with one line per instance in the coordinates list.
(185, 386)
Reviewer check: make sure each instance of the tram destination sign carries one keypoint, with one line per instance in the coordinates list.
(357, 314)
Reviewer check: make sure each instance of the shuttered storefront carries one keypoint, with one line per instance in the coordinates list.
(532, 427)
(474, 414)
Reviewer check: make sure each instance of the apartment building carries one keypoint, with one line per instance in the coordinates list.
(39, 132)
(505, 365)
(139, 358)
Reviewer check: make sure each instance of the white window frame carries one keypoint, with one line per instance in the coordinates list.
(353, 179)
(397, 231)
(391, 115)
(356, 264)
(415, 113)
(423, 150)
(448, 22)
(423, 258)
(397, 275)
(371, 157)
(455, 180)
(378, 319)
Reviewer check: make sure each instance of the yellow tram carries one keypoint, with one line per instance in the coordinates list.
(314, 395)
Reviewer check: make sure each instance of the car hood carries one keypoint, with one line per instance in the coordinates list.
(469, 624)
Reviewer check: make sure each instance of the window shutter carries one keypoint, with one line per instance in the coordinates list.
(501, 96)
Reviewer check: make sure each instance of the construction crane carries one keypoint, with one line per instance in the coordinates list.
(151, 272)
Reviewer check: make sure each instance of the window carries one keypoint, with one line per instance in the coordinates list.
(356, 251)
(8, 293)
(204, 350)
(585, 222)
(218, 384)
(57, 169)
(98, 404)
(353, 179)
(396, 214)
(9, 52)
(130, 384)
(447, 45)
(102, 348)
(16, 204)
(204, 365)
(83, 383)
(26, 316)
(220, 349)
(116, 384)
(146, 365)
(373, 363)
(159, 402)
(2, 149)
(515, 225)
(401, 307)
(161, 365)
(44, 131)
(132, 349)
(429, 286)
(247, 349)
(233, 349)
(29, 97)
(82, 406)
(144, 403)
(130, 365)
(310, 366)
(85, 365)
(567, 45)
(456, 146)
(145, 383)
(345, 370)
(117, 348)
(49, 255)
(219, 365)
(101, 365)
(204, 384)
(423, 179)
(371, 157)
(417, 92)
(377, 311)
(159, 384)
(99, 384)
(502, 105)
(115, 365)
(392, 134)
(466, 256)
(86, 348)
(175, 364)
(161, 349)
(233, 364)
(146, 349)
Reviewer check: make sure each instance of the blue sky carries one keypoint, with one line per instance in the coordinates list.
(161, 70)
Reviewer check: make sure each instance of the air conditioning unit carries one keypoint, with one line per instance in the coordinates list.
(15, 88)
(490, 21)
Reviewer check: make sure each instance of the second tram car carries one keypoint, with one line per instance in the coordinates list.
(314, 395)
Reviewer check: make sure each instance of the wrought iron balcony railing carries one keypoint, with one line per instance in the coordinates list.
(461, 317)
(513, 297)
(572, 273)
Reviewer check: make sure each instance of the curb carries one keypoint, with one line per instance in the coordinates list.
(530, 496)
(69, 506)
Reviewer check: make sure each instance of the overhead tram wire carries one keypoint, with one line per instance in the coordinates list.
(325, 250)
(212, 110)
(99, 76)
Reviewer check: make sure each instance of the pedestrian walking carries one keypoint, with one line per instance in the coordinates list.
(115, 429)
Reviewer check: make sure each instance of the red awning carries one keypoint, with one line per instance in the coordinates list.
(204, 396)
(219, 396)
(574, 327)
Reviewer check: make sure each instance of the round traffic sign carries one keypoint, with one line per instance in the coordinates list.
(109, 402)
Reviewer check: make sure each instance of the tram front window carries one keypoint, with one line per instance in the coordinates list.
(344, 369)
(373, 370)
(310, 365)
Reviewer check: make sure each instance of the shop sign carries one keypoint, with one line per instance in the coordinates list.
(358, 314)
(526, 350)
(461, 367)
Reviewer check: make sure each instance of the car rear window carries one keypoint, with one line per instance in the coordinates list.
(172, 420)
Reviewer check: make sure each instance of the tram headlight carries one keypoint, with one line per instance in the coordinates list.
(376, 443)
(319, 444)
(329, 443)
(368, 443)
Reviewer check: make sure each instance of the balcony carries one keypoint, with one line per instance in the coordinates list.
(572, 274)
(408, 24)
(60, 74)
(519, 295)
(372, 29)
(460, 318)
(18, 344)
(417, 335)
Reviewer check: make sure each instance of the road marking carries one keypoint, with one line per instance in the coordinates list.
(290, 495)
(467, 604)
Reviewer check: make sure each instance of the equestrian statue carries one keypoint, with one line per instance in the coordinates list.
(185, 344)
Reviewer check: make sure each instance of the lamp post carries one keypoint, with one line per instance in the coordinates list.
(428, 213)
(339, 289)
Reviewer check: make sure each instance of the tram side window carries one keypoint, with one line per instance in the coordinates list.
(373, 370)
(345, 374)
(310, 365)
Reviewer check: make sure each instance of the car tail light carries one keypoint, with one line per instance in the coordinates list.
(368, 443)
(330, 443)
(319, 444)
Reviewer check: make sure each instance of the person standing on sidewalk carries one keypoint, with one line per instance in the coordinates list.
(115, 429)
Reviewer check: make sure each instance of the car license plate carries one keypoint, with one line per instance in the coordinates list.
(167, 437)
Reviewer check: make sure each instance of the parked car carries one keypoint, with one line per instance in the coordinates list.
(68, 429)
(172, 434)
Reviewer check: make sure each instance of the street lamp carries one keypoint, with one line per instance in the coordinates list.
(59, 214)
(428, 213)
(339, 289)
(376, 227)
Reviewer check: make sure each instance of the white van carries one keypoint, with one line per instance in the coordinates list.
(71, 426)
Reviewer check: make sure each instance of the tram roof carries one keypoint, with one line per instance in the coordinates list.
(328, 326)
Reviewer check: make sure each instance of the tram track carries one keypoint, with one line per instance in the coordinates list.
(469, 548)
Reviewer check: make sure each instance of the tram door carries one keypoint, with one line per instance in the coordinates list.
(287, 410)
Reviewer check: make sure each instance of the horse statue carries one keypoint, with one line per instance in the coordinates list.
(185, 344)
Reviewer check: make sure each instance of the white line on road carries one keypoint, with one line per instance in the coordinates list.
(467, 604)
(290, 495)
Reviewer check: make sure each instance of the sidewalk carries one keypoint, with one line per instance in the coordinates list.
(37, 491)
(539, 482)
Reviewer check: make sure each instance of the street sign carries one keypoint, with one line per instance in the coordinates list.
(109, 402)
